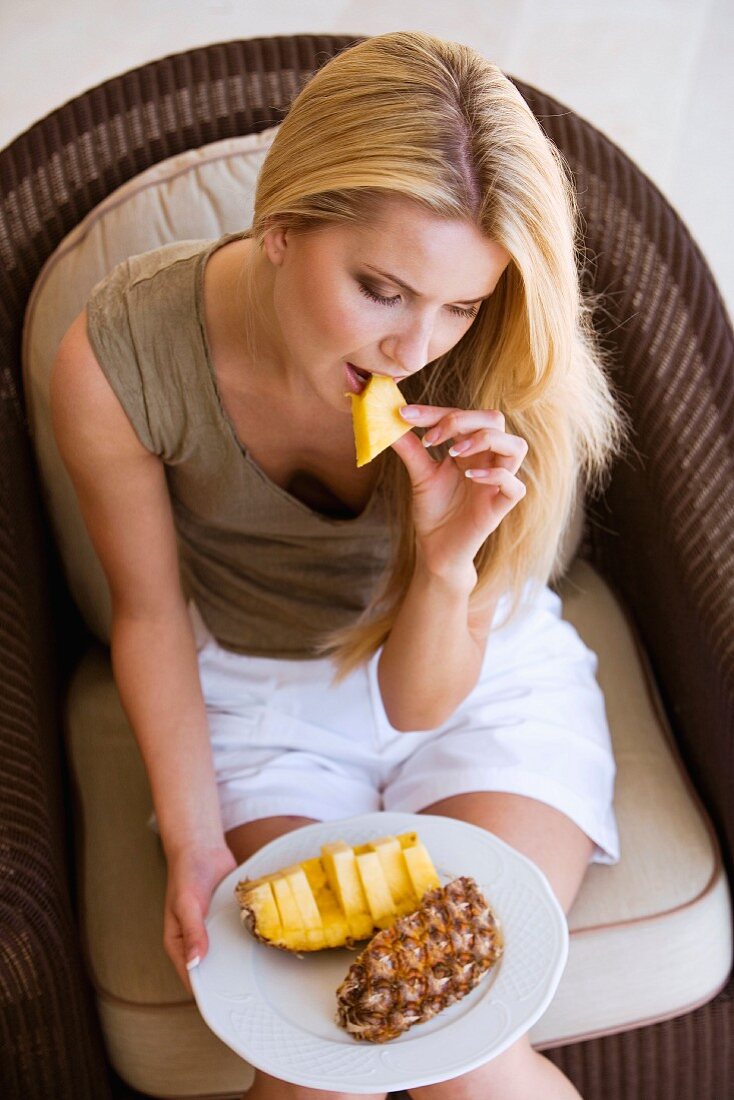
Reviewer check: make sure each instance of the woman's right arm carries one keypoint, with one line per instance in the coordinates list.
(123, 496)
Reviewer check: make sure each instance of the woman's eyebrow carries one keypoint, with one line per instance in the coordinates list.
(399, 282)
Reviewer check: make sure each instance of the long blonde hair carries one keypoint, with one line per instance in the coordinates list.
(411, 114)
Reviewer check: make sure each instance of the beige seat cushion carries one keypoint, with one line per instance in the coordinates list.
(650, 937)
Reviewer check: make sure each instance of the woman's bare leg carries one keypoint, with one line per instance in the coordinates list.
(246, 839)
(270, 1088)
(242, 842)
(562, 852)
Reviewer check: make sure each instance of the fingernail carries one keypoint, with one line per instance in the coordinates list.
(409, 412)
(476, 473)
(430, 438)
(193, 962)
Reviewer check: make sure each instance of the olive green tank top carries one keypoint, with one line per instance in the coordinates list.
(269, 574)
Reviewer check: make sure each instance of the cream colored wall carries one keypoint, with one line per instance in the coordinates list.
(655, 75)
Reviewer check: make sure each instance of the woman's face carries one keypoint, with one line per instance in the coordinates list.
(387, 297)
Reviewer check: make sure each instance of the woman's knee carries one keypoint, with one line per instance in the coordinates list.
(551, 839)
(246, 839)
(265, 1087)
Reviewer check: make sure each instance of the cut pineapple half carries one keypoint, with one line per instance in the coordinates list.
(375, 417)
(342, 896)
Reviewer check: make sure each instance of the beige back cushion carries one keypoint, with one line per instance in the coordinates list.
(196, 195)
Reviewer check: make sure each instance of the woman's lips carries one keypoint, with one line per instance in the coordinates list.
(354, 381)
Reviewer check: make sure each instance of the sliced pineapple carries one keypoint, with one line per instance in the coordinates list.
(379, 899)
(420, 867)
(375, 417)
(265, 914)
(392, 859)
(307, 907)
(343, 877)
(343, 896)
(290, 914)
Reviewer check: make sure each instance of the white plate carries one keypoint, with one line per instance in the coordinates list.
(277, 1010)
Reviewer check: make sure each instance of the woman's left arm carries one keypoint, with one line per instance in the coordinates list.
(433, 655)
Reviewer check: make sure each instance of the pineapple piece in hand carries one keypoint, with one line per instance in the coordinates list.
(344, 896)
(375, 417)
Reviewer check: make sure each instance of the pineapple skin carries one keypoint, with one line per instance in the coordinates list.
(426, 961)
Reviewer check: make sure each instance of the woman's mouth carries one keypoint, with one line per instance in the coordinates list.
(356, 379)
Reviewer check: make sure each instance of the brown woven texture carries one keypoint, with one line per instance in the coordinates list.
(662, 533)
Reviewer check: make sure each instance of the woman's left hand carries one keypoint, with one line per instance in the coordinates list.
(454, 513)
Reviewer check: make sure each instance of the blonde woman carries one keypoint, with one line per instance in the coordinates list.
(296, 639)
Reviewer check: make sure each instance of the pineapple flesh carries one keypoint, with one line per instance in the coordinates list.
(424, 962)
(340, 897)
(375, 418)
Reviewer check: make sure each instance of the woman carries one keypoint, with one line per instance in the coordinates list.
(293, 638)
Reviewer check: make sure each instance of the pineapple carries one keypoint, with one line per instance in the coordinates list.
(311, 919)
(290, 914)
(422, 964)
(346, 884)
(265, 914)
(379, 899)
(393, 861)
(375, 417)
(344, 895)
(421, 871)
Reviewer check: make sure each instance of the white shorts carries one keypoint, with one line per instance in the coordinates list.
(285, 741)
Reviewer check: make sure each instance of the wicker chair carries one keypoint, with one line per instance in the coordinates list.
(662, 535)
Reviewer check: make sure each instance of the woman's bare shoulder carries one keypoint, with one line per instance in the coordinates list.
(82, 399)
(120, 486)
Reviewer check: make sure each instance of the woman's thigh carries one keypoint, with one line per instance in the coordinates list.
(246, 839)
(554, 843)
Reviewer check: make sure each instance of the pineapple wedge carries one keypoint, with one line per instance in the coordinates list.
(342, 896)
(379, 899)
(420, 867)
(395, 868)
(375, 418)
(307, 907)
(343, 877)
(290, 914)
(265, 913)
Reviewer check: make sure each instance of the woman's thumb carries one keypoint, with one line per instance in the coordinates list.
(418, 462)
(193, 932)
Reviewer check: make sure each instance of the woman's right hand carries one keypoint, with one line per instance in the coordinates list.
(193, 875)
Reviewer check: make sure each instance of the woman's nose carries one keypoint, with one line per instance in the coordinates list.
(409, 347)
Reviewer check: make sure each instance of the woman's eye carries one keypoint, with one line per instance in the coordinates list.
(378, 297)
(468, 312)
